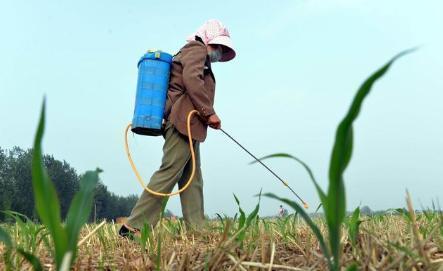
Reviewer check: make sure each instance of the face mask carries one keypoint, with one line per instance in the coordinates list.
(215, 56)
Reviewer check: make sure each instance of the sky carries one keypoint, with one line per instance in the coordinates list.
(298, 66)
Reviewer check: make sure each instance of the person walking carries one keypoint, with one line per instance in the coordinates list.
(191, 87)
(282, 212)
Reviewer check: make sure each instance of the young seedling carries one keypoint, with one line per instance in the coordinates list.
(334, 200)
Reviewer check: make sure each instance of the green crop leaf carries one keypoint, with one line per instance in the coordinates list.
(318, 208)
(18, 217)
(145, 235)
(245, 223)
(80, 208)
(320, 192)
(242, 218)
(33, 260)
(221, 219)
(335, 208)
(163, 209)
(354, 224)
(310, 223)
(159, 240)
(5, 238)
(352, 267)
(254, 213)
(405, 213)
(46, 200)
(48, 206)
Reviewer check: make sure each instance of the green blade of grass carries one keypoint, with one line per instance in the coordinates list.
(320, 192)
(80, 208)
(5, 238)
(33, 260)
(352, 267)
(354, 223)
(46, 200)
(221, 219)
(159, 240)
(254, 213)
(245, 223)
(335, 208)
(242, 218)
(310, 223)
(145, 235)
(16, 216)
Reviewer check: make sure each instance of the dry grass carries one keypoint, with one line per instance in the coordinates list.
(385, 242)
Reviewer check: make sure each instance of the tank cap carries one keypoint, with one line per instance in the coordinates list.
(156, 55)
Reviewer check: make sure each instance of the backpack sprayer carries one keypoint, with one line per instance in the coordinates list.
(152, 86)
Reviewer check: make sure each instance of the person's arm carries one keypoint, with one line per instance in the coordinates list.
(193, 60)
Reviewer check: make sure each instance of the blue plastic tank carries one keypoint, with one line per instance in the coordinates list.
(152, 87)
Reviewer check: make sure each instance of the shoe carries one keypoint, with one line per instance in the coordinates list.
(128, 232)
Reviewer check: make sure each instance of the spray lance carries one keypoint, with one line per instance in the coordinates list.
(152, 86)
(305, 204)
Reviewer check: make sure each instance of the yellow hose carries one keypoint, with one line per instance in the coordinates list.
(191, 147)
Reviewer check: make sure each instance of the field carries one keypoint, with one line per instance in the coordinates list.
(332, 239)
(383, 242)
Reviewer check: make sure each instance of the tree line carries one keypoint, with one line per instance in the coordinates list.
(16, 192)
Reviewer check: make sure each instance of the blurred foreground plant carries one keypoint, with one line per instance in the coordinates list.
(334, 200)
(64, 236)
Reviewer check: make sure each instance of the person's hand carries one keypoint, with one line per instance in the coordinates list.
(214, 122)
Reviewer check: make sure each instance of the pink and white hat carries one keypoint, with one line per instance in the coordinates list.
(213, 32)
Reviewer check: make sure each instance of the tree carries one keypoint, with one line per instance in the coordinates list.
(6, 189)
(21, 179)
(65, 179)
(16, 192)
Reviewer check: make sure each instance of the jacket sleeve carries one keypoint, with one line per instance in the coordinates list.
(193, 61)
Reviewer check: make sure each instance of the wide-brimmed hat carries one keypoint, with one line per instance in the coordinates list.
(213, 32)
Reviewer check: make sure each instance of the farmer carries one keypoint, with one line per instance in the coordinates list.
(191, 86)
(282, 212)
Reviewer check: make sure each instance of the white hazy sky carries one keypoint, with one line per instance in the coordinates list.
(298, 66)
